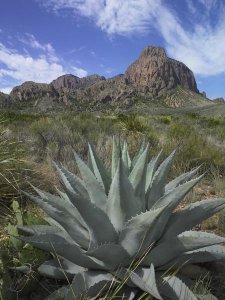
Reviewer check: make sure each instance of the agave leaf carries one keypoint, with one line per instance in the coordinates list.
(71, 181)
(191, 215)
(168, 202)
(60, 269)
(141, 150)
(61, 244)
(89, 162)
(144, 278)
(126, 158)
(89, 284)
(138, 177)
(60, 294)
(157, 188)
(202, 255)
(64, 214)
(99, 170)
(152, 166)
(136, 235)
(53, 222)
(38, 229)
(94, 189)
(118, 255)
(174, 289)
(116, 154)
(175, 196)
(176, 246)
(181, 179)
(122, 204)
(100, 228)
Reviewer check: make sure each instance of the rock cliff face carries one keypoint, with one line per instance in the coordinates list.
(152, 76)
(153, 72)
(73, 82)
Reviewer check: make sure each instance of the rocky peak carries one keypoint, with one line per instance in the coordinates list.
(154, 73)
(154, 52)
(66, 81)
(70, 81)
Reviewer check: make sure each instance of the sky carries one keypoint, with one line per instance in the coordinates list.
(41, 40)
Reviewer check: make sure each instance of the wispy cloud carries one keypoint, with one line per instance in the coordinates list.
(6, 90)
(17, 67)
(113, 16)
(200, 46)
(47, 49)
(79, 72)
(23, 67)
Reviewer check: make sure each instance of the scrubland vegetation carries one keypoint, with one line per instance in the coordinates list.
(29, 144)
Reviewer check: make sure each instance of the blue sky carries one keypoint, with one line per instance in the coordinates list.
(43, 39)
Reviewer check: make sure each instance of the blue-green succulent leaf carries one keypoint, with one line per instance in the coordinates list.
(181, 179)
(176, 246)
(191, 215)
(138, 154)
(93, 187)
(152, 167)
(202, 255)
(174, 289)
(116, 155)
(137, 235)
(71, 181)
(61, 269)
(65, 214)
(89, 284)
(113, 255)
(61, 244)
(101, 173)
(175, 196)
(157, 188)
(122, 203)
(100, 228)
(126, 158)
(137, 177)
(144, 278)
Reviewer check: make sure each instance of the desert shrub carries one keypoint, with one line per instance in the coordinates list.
(165, 119)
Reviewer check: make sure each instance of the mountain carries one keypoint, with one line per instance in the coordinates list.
(152, 80)
(153, 72)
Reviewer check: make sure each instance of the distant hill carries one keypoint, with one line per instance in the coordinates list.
(153, 80)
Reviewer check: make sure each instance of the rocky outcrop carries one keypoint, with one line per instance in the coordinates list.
(70, 81)
(154, 73)
(153, 77)
(219, 100)
(31, 90)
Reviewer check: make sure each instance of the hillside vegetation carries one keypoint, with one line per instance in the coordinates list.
(41, 139)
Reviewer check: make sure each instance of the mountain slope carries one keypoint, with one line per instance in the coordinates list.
(152, 80)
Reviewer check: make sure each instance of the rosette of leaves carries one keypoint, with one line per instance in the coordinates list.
(121, 229)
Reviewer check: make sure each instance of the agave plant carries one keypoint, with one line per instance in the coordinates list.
(121, 229)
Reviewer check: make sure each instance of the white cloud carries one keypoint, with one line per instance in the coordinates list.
(16, 67)
(209, 4)
(24, 67)
(113, 16)
(6, 90)
(201, 49)
(200, 46)
(191, 6)
(48, 50)
(79, 72)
